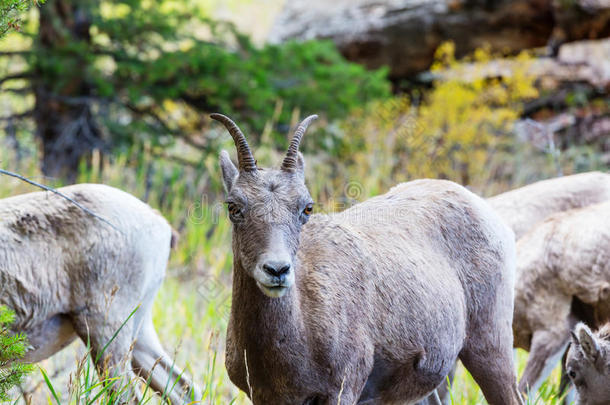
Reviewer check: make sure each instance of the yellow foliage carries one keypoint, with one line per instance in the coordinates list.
(455, 131)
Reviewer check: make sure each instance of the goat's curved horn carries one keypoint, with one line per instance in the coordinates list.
(245, 160)
(290, 161)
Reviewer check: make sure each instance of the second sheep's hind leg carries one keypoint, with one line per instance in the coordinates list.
(546, 351)
(154, 365)
(110, 341)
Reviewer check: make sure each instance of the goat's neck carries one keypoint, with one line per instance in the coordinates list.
(268, 320)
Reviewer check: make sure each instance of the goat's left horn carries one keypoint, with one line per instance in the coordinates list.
(245, 159)
(290, 161)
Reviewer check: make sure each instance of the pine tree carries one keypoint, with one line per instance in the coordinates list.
(12, 349)
(108, 74)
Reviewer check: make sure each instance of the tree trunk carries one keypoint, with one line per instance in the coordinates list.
(63, 116)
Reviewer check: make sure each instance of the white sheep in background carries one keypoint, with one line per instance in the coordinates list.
(563, 276)
(524, 207)
(66, 274)
(371, 305)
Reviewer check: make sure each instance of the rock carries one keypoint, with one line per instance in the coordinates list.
(586, 62)
(592, 56)
(404, 34)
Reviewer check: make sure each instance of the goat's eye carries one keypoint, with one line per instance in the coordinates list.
(308, 210)
(572, 374)
(235, 211)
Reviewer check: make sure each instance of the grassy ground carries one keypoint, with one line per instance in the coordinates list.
(191, 310)
(192, 326)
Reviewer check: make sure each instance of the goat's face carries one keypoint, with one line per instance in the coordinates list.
(588, 364)
(268, 209)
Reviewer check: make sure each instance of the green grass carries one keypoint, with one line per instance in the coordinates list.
(191, 310)
(192, 327)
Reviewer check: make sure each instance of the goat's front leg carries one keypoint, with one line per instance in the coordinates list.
(348, 387)
(345, 397)
(434, 398)
(545, 353)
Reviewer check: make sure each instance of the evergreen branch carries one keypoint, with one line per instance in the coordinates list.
(165, 126)
(176, 159)
(16, 76)
(19, 116)
(22, 90)
(15, 53)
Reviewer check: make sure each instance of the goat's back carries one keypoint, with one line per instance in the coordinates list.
(522, 208)
(569, 252)
(56, 258)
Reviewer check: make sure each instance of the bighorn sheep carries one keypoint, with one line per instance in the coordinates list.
(65, 274)
(370, 305)
(563, 276)
(524, 207)
(588, 365)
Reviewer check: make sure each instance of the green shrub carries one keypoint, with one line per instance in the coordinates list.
(12, 348)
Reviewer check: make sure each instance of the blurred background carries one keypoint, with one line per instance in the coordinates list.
(492, 94)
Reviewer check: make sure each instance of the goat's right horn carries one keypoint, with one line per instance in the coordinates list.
(290, 161)
(245, 160)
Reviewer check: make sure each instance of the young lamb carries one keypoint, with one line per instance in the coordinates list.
(66, 274)
(524, 207)
(563, 276)
(371, 305)
(588, 365)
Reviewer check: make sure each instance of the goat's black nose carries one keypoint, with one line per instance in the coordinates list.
(277, 269)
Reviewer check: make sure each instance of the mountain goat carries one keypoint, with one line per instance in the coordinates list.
(66, 274)
(524, 207)
(370, 305)
(588, 364)
(563, 276)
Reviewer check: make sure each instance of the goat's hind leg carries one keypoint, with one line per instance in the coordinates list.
(153, 364)
(493, 369)
(111, 351)
(488, 353)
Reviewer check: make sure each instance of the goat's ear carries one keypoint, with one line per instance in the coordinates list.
(228, 169)
(300, 165)
(588, 343)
